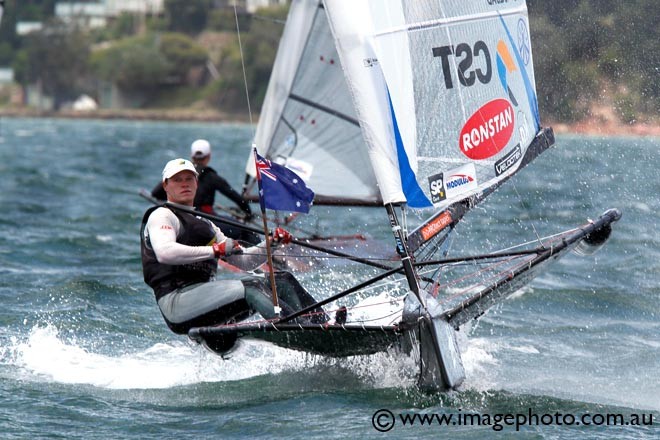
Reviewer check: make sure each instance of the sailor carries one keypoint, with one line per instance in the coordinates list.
(180, 253)
(209, 181)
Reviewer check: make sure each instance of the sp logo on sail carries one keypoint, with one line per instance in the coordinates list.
(437, 188)
(453, 183)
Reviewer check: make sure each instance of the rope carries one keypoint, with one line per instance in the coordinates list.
(240, 48)
(272, 321)
(310, 257)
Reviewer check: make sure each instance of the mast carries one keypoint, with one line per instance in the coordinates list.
(402, 250)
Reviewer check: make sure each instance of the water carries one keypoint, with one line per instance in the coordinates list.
(84, 352)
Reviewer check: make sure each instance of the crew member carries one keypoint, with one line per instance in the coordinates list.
(180, 253)
(208, 183)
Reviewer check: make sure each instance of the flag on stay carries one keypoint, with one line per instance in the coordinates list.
(280, 188)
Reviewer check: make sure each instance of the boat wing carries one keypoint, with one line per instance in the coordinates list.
(486, 280)
(321, 339)
(499, 275)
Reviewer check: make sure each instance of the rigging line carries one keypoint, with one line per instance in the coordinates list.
(470, 259)
(302, 243)
(240, 48)
(484, 293)
(339, 295)
(484, 270)
(565, 244)
(276, 222)
(269, 19)
(383, 284)
(302, 256)
(547, 238)
(396, 313)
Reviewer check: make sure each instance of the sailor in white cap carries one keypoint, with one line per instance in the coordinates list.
(209, 181)
(180, 253)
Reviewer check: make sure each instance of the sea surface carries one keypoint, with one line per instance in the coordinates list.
(84, 352)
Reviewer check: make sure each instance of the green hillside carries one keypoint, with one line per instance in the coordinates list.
(588, 55)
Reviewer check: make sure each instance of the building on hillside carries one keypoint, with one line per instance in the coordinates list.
(6, 75)
(88, 15)
(96, 14)
(149, 7)
(27, 27)
(249, 6)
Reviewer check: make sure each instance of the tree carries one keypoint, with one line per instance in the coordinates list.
(182, 53)
(56, 58)
(259, 48)
(149, 61)
(133, 63)
(637, 35)
(8, 26)
(187, 16)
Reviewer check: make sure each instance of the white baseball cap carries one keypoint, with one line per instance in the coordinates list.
(175, 166)
(200, 148)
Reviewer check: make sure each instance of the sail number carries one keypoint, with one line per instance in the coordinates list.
(467, 56)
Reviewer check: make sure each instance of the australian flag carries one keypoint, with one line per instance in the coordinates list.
(280, 188)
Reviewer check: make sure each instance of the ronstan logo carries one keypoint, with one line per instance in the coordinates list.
(488, 130)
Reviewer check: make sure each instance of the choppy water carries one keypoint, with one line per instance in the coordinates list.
(84, 352)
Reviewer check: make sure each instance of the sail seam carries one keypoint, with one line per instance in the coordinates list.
(447, 21)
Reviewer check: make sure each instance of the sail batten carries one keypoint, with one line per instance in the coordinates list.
(324, 108)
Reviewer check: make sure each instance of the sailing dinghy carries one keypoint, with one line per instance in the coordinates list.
(444, 95)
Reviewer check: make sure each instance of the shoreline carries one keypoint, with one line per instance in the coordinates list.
(595, 127)
(589, 126)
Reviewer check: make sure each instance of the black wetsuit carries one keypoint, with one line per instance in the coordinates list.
(209, 183)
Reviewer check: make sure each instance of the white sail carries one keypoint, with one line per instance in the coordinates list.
(308, 122)
(444, 94)
(444, 89)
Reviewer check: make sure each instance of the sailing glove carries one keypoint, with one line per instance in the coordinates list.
(281, 235)
(226, 248)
